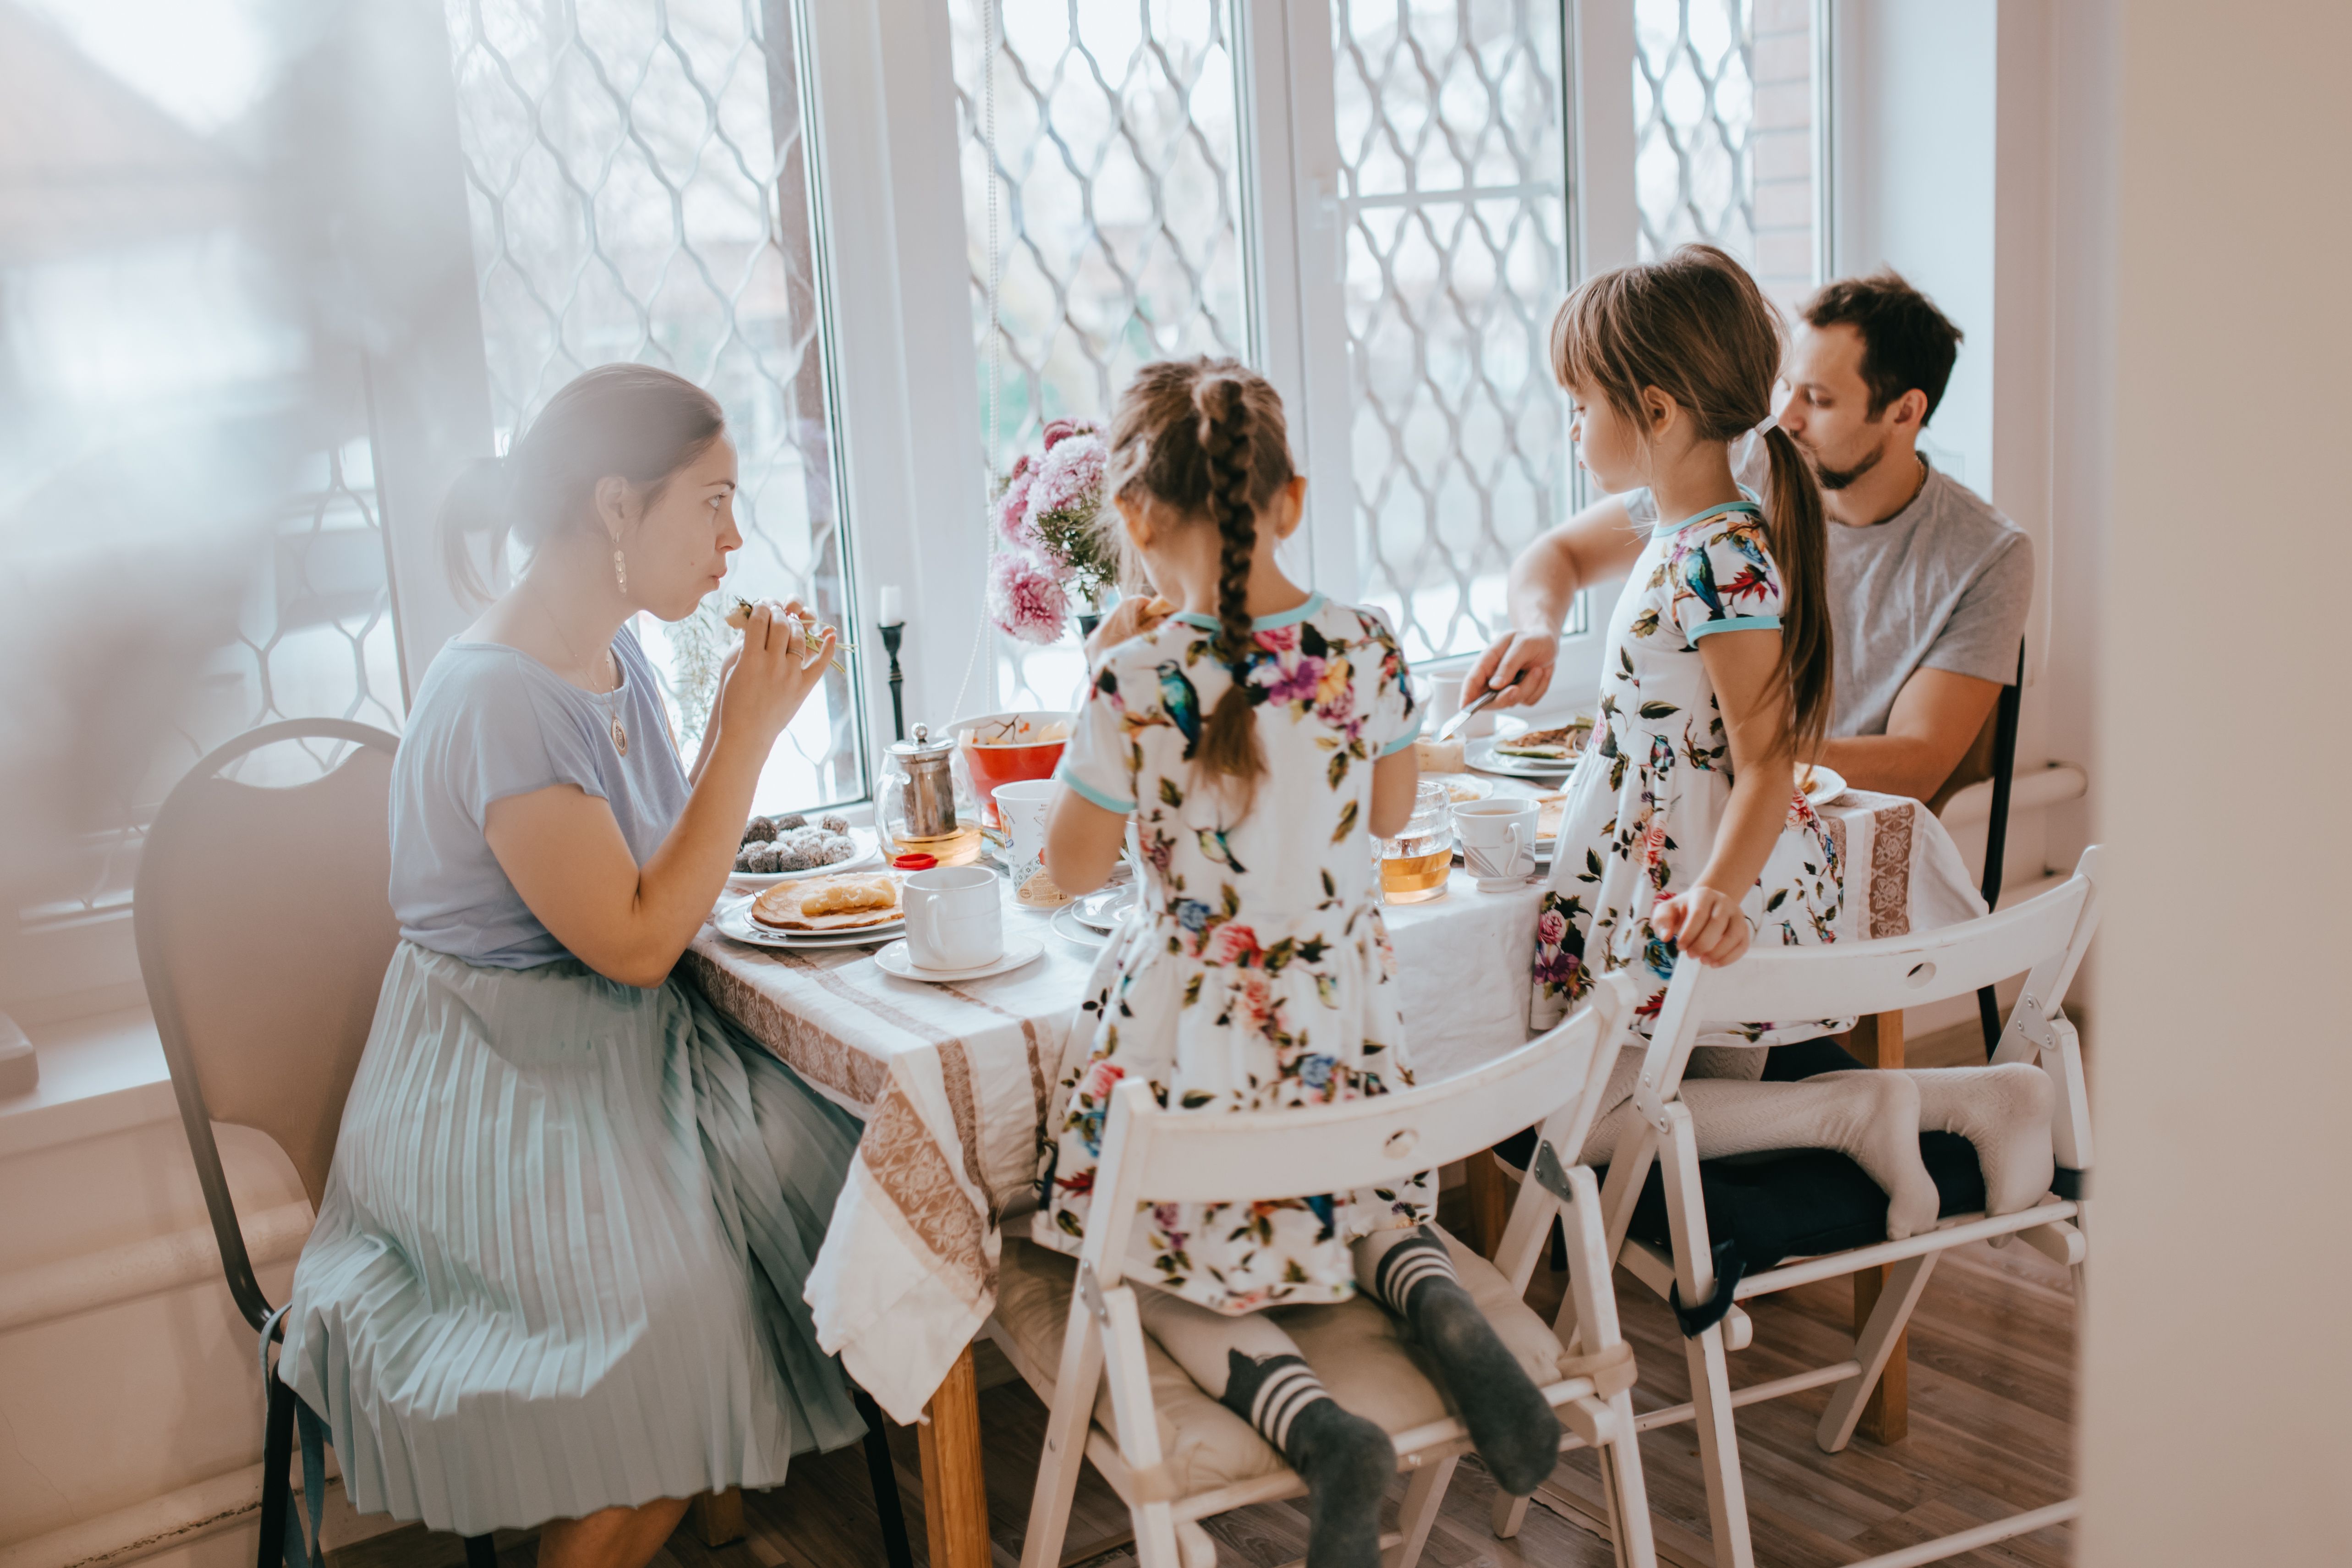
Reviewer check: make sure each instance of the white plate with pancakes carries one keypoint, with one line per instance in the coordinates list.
(823, 911)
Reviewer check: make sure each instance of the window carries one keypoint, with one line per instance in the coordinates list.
(641, 189)
(1723, 105)
(1453, 191)
(169, 425)
(1114, 218)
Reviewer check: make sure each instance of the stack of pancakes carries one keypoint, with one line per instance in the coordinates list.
(830, 903)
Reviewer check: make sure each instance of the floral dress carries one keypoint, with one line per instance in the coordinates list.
(1259, 974)
(1655, 778)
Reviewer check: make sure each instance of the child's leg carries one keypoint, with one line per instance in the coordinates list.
(1410, 1273)
(1254, 1370)
(2004, 1110)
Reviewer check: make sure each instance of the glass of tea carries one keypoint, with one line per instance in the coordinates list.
(1415, 864)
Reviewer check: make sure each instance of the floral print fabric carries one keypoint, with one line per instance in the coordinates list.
(1654, 780)
(1259, 974)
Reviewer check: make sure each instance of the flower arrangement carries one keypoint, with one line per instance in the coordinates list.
(1052, 548)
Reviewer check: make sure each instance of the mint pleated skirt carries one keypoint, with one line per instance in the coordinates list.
(560, 1260)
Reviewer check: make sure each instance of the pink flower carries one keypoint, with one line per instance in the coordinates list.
(1293, 683)
(1012, 505)
(1277, 639)
(1069, 482)
(1061, 430)
(1550, 927)
(1232, 943)
(1257, 1003)
(1024, 600)
(1101, 1079)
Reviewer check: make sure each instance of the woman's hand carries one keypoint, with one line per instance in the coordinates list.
(1130, 617)
(1705, 923)
(1520, 667)
(772, 673)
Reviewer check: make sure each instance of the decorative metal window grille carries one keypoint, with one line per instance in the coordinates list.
(639, 181)
(1693, 109)
(1116, 215)
(1453, 189)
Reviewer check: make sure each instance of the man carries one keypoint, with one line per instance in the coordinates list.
(1928, 584)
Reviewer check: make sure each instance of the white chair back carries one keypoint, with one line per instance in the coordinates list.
(1153, 1156)
(2046, 936)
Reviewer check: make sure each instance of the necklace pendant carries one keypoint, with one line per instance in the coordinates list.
(620, 738)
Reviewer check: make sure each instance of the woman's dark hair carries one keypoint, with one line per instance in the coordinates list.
(630, 421)
(1206, 438)
(1696, 327)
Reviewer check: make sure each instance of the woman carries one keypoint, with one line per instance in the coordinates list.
(556, 1279)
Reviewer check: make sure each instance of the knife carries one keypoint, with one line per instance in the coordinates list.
(1468, 712)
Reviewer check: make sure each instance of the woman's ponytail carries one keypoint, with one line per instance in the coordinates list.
(481, 505)
(1230, 749)
(1798, 531)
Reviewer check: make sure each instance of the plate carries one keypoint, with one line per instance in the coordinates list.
(1823, 786)
(1480, 754)
(869, 853)
(1103, 910)
(897, 959)
(735, 920)
(1461, 786)
(1069, 928)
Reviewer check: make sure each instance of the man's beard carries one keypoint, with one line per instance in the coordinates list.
(1839, 479)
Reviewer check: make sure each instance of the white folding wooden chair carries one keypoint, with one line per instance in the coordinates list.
(1176, 1457)
(2046, 937)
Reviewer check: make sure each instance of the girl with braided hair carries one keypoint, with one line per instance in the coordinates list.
(1259, 735)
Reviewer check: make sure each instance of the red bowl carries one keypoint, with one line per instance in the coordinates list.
(1003, 748)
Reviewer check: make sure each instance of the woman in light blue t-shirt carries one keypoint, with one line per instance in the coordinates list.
(556, 1279)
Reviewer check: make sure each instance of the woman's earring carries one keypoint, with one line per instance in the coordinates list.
(620, 570)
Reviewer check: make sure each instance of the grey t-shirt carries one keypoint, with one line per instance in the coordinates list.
(1945, 584)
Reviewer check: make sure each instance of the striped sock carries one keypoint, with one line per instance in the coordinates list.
(1511, 1425)
(1345, 1461)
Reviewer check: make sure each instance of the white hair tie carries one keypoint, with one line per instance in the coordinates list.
(1771, 423)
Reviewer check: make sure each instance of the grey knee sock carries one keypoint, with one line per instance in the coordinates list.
(1345, 1461)
(1513, 1429)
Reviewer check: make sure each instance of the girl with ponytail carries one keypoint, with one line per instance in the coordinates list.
(1257, 735)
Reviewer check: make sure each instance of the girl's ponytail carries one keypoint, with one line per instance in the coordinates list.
(1797, 529)
(480, 504)
(1230, 749)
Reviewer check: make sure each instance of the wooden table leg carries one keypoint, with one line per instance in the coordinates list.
(955, 1496)
(1490, 1202)
(1886, 1416)
(719, 1517)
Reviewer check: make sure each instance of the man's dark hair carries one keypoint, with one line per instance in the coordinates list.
(1906, 340)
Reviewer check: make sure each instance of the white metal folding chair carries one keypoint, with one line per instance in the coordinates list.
(1159, 1426)
(2044, 938)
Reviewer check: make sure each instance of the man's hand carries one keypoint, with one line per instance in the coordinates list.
(1705, 924)
(1520, 666)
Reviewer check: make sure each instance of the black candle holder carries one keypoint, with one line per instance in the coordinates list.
(890, 638)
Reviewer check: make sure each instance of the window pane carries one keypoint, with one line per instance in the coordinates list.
(640, 190)
(184, 458)
(1723, 106)
(1453, 189)
(1118, 222)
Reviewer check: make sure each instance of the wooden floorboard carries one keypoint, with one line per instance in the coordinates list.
(1993, 1351)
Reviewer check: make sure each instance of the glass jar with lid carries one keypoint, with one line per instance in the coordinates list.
(924, 805)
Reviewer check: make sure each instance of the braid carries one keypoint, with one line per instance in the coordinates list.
(1230, 748)
(1204, 438)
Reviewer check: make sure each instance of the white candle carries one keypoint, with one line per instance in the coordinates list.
(893, 609)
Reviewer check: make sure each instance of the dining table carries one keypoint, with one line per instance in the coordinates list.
(954, 1083)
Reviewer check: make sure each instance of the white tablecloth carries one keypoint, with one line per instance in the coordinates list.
(952, 1080)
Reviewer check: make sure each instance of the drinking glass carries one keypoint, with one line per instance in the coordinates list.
(1415, 864)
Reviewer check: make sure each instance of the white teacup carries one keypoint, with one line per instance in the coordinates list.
(1498, 840)
(955, 918)
(1023, 807)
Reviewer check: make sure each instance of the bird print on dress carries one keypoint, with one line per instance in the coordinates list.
(1182, 703)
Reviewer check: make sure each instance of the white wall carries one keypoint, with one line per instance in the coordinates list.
(2217, 1412)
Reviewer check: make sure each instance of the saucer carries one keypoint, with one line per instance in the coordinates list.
(897, 959)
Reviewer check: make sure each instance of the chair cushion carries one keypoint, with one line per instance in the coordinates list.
(1365, 1355)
